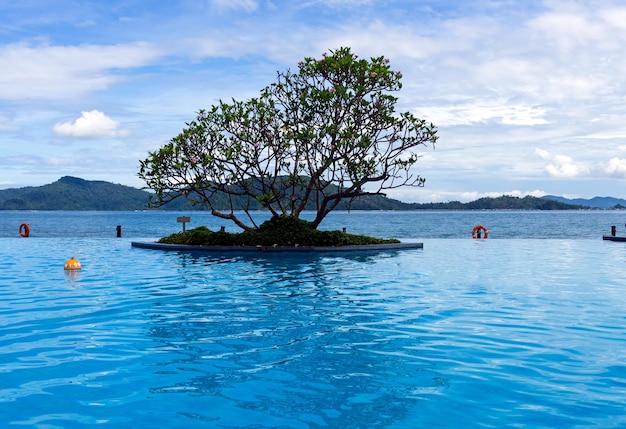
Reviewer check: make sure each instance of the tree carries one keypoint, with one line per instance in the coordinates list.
(324, 134)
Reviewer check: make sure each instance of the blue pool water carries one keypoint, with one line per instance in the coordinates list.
(506, 332)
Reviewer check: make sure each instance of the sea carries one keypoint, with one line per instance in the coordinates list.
(524, 329)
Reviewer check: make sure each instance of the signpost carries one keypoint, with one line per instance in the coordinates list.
(183, 220)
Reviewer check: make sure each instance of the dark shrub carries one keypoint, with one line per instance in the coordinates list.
(277, 231)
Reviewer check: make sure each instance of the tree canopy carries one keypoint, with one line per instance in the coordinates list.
(326, 133)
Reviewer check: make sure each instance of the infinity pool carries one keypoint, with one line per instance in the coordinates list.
(464, 333)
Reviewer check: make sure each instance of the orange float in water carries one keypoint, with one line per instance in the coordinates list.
(478, 231)
(24, 230)
(72, 264)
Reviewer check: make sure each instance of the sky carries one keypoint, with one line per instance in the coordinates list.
(529, 97)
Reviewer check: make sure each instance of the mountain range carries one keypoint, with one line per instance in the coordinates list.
(72, 193)
(595, 202)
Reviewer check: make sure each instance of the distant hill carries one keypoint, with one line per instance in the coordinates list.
(505, 202)
(595, 202)
(72, 193)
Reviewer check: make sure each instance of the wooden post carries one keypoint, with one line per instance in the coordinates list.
(119, 231)
(613, 230)
(183, 220)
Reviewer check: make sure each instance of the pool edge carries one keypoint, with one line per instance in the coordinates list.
(277, 249)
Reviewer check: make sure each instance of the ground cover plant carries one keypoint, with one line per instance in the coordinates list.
(278, 231)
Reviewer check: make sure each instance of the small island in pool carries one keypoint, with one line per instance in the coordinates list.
(278, 234)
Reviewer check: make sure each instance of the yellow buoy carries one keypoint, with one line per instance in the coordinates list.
(72, 264)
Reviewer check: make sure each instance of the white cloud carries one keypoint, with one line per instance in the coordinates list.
(564, 169)
(484, 111)
(561, 166)
(568, 31)
(616, 168)
(59, 72)
(90, 124)
(615, 17)
(607, 136)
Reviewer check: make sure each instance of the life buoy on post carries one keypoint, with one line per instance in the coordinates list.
(478, 231)
(24, 230)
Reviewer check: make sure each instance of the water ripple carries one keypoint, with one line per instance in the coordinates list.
(460, 334)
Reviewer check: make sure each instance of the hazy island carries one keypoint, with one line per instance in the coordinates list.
(72, 193)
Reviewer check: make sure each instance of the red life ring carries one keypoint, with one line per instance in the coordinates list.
(24, 230)
(476, 232)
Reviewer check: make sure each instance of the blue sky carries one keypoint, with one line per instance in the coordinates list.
(529, 96)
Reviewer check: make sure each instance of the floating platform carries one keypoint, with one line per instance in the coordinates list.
(277, 249)
(613, 238)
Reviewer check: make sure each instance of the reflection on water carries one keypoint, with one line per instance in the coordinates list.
(462, 333)
(291, 333)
